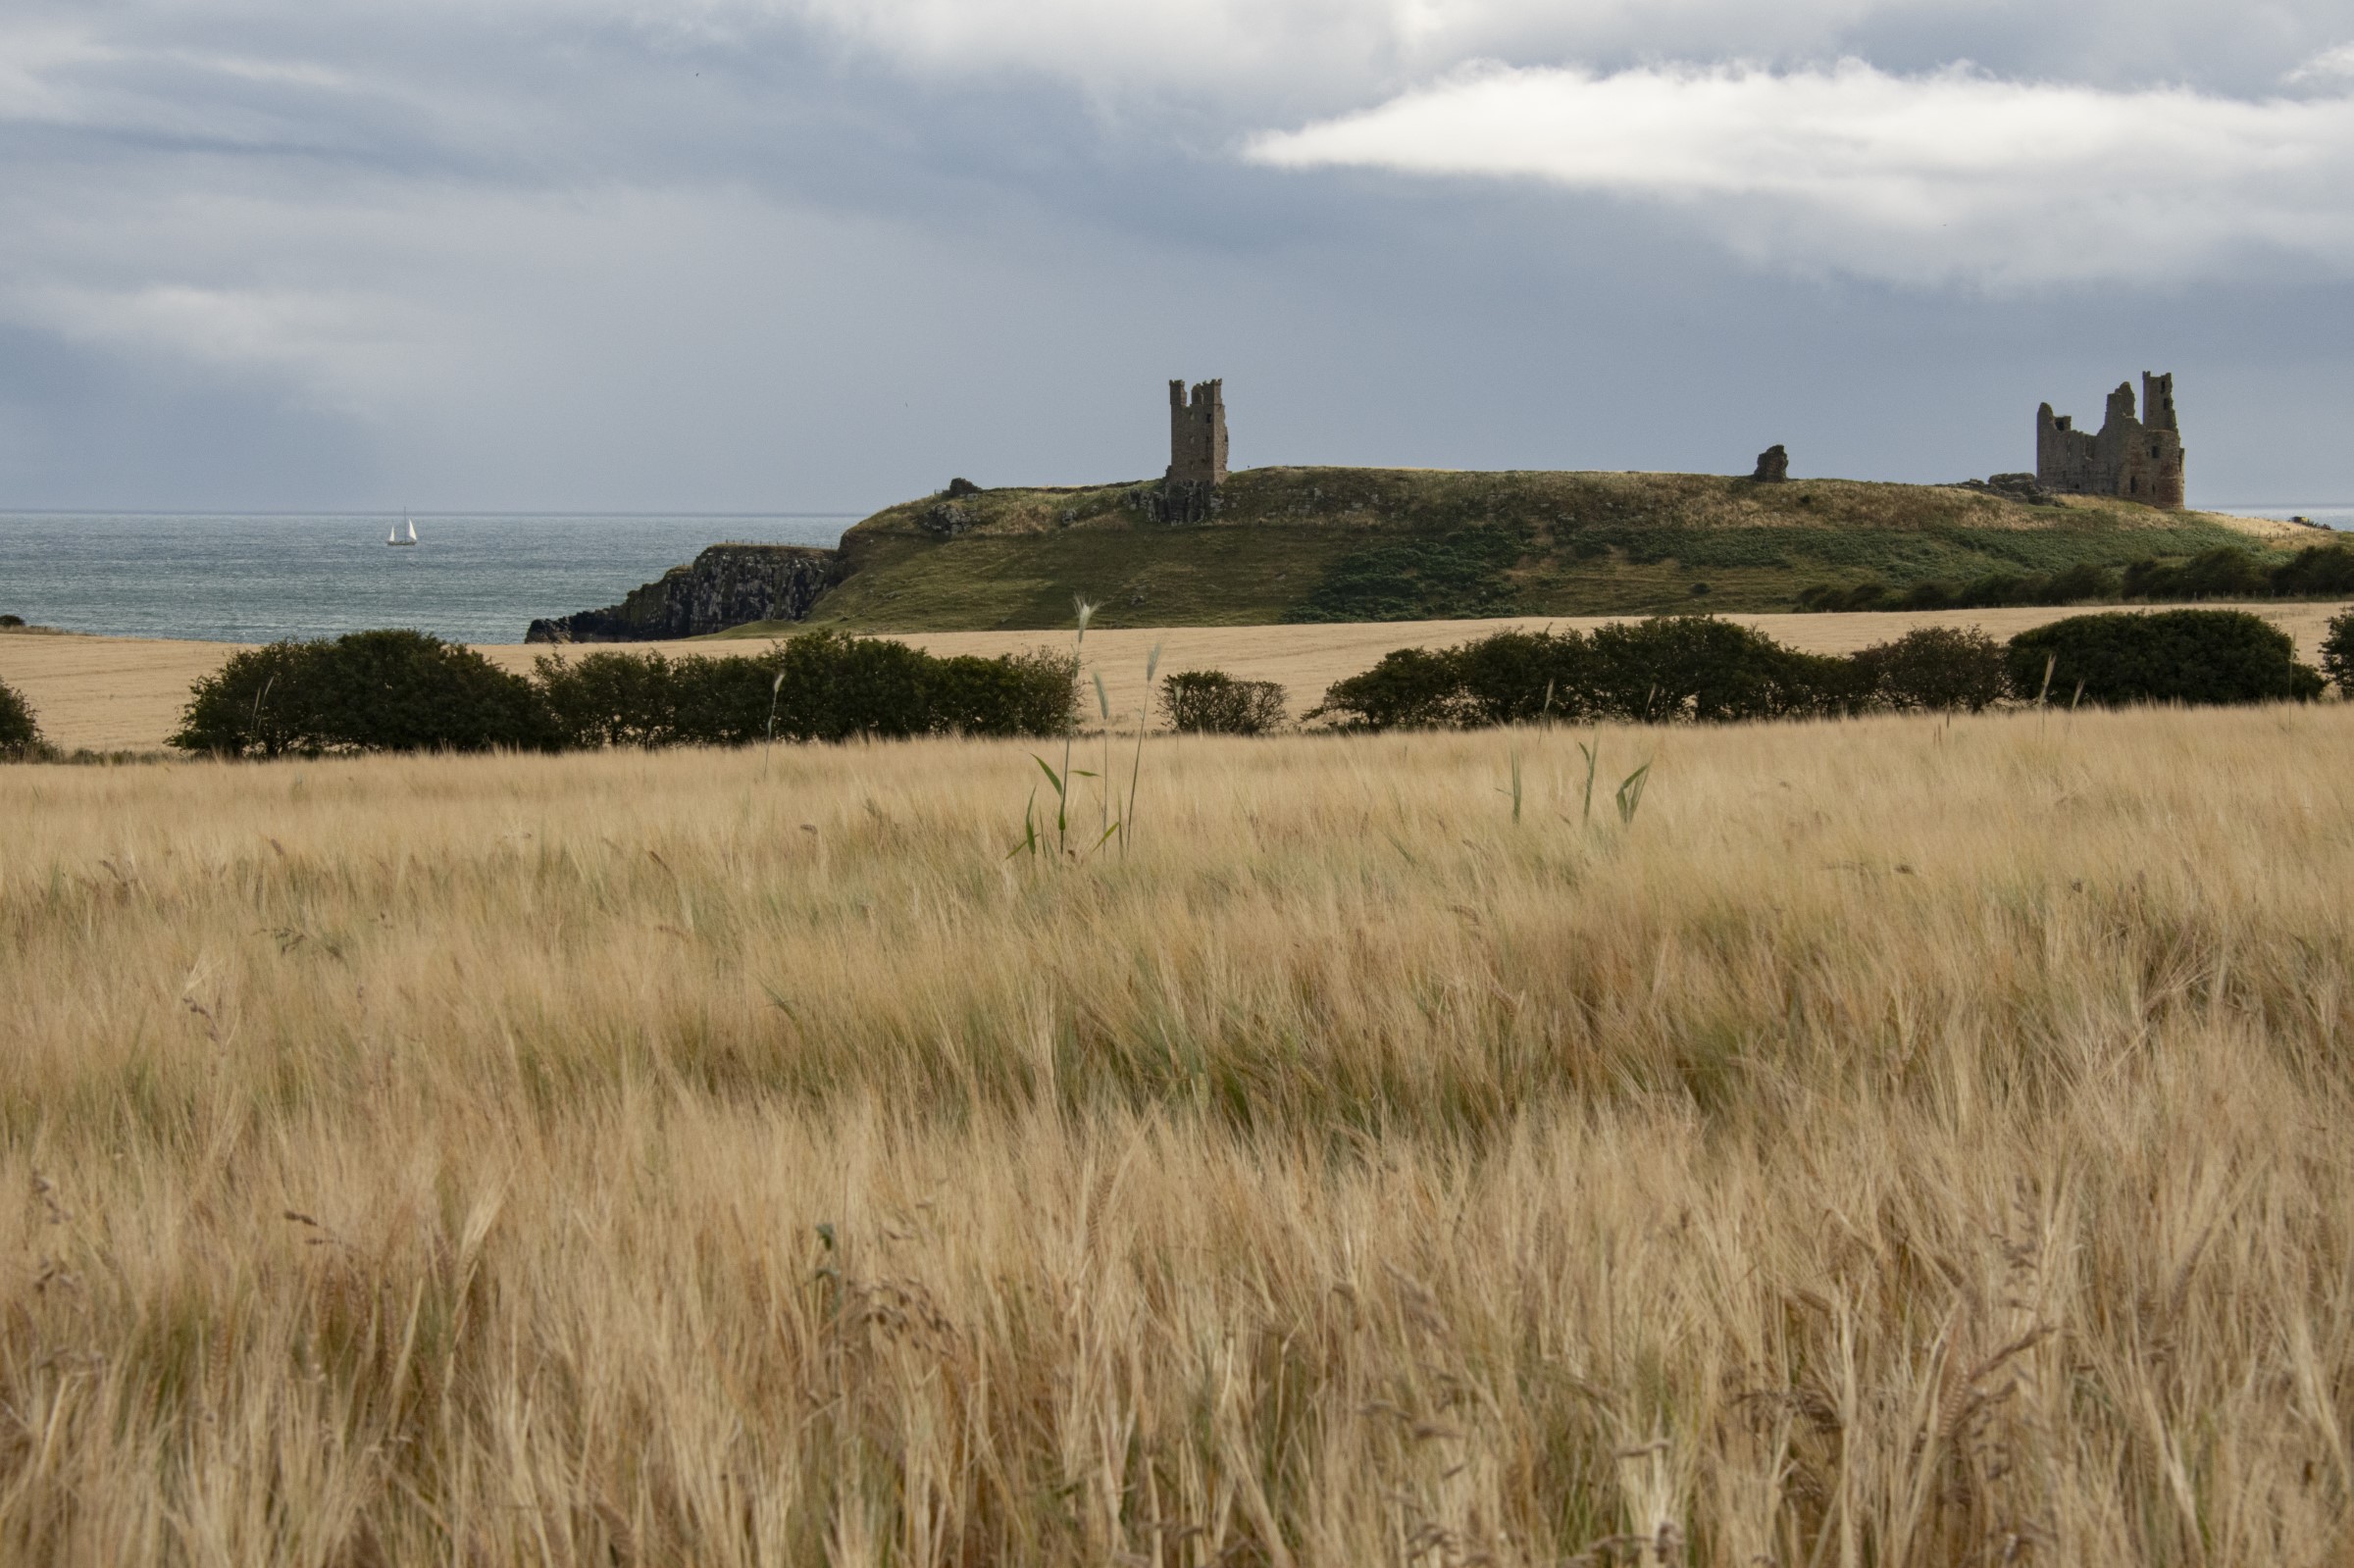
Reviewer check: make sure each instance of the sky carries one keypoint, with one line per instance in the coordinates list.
(822, 255)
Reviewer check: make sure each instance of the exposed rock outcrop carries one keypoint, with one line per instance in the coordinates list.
(2024, 488)
(727, 586)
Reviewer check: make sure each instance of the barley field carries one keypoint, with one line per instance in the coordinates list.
(127, 694)
(1892, 1142)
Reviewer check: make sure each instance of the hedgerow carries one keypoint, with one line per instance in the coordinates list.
(406, 692)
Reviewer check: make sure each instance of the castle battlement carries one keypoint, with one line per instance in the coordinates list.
(2135, 459)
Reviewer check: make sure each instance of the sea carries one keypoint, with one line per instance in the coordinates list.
(249, 577)
(473, 576)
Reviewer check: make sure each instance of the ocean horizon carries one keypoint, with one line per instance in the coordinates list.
(475, 576)
(249, 576)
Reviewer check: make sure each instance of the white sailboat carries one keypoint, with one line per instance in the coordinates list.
(392, 535)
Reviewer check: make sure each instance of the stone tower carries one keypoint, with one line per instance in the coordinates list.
(1197, 435)
(2134, 459)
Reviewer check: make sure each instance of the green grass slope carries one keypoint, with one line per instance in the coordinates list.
(1382, 544)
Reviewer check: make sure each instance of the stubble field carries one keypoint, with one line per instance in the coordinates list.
(1906, 1141)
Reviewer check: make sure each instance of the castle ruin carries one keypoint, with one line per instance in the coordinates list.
(2135, 459)
(1197, 452)
(1197, 433)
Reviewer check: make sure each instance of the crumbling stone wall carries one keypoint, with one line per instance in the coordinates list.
(1197, 433)
(728, 584)
(2137, 459)
(1189, 492)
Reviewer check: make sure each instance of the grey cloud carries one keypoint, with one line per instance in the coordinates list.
(760, 256)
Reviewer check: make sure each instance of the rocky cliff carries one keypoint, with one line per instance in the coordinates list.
(726, 586)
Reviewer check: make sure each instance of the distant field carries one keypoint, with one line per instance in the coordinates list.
(1908, 1142)
(117, 694)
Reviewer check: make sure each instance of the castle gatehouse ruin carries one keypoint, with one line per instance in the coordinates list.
(2134, 459)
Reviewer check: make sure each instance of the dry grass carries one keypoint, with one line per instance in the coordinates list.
(1911, 1142)
(126, 694)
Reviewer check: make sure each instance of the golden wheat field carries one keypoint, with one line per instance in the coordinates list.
(1906, 1141)
(127, 694)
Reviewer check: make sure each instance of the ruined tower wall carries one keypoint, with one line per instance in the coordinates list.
(2135, 459)
(1197, 433)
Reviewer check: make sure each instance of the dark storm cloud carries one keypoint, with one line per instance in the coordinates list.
(818, 255)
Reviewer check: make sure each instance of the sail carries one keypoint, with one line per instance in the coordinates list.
(412, 532)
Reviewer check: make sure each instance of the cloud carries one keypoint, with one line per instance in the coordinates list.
(1954, 176)
(2329, 65)
(1321, 54)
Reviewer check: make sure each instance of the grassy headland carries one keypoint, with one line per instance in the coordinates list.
(1290, 544)
(1909, 1141)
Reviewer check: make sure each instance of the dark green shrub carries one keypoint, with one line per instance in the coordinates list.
(1929, 595)
(410, 692)
(2080, 584)
(610, 699)
(2191, 656)
(367, 691)
(1212, 703)
(2318, 572)
(723, 702)
(1859, 596)
(1524, 677)
(837, 687)
(2337, 652)
(263, 703)
(821, 686)
(2219, 574)
(19, 735)
(1697, 667)
(1014, 695)
(1818, 685)
(1935, 668)
(1410, 688)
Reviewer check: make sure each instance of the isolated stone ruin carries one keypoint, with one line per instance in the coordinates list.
(1197, 451)
(2137, 459)
(1773, 465)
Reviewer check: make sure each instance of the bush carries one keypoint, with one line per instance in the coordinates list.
(1665, 668)
(821, 686)
(260, 703)
(1013, 694)
(19, 735)
(1697, 667)
(610, 699)
(1410, 688)
(2219, 573)
(409, 692)
(1212, 702)
(1935, 668)
(367, 691)
(2337, 652)
(1523, 677)
(2190, 656)
(2318, 572)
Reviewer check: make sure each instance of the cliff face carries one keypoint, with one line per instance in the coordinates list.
(727, 586)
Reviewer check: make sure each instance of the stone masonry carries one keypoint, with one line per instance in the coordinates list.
(2136, 459)
(1197, 433)
(1189, 494)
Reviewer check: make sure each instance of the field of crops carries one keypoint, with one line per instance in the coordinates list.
(1898, 1141)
